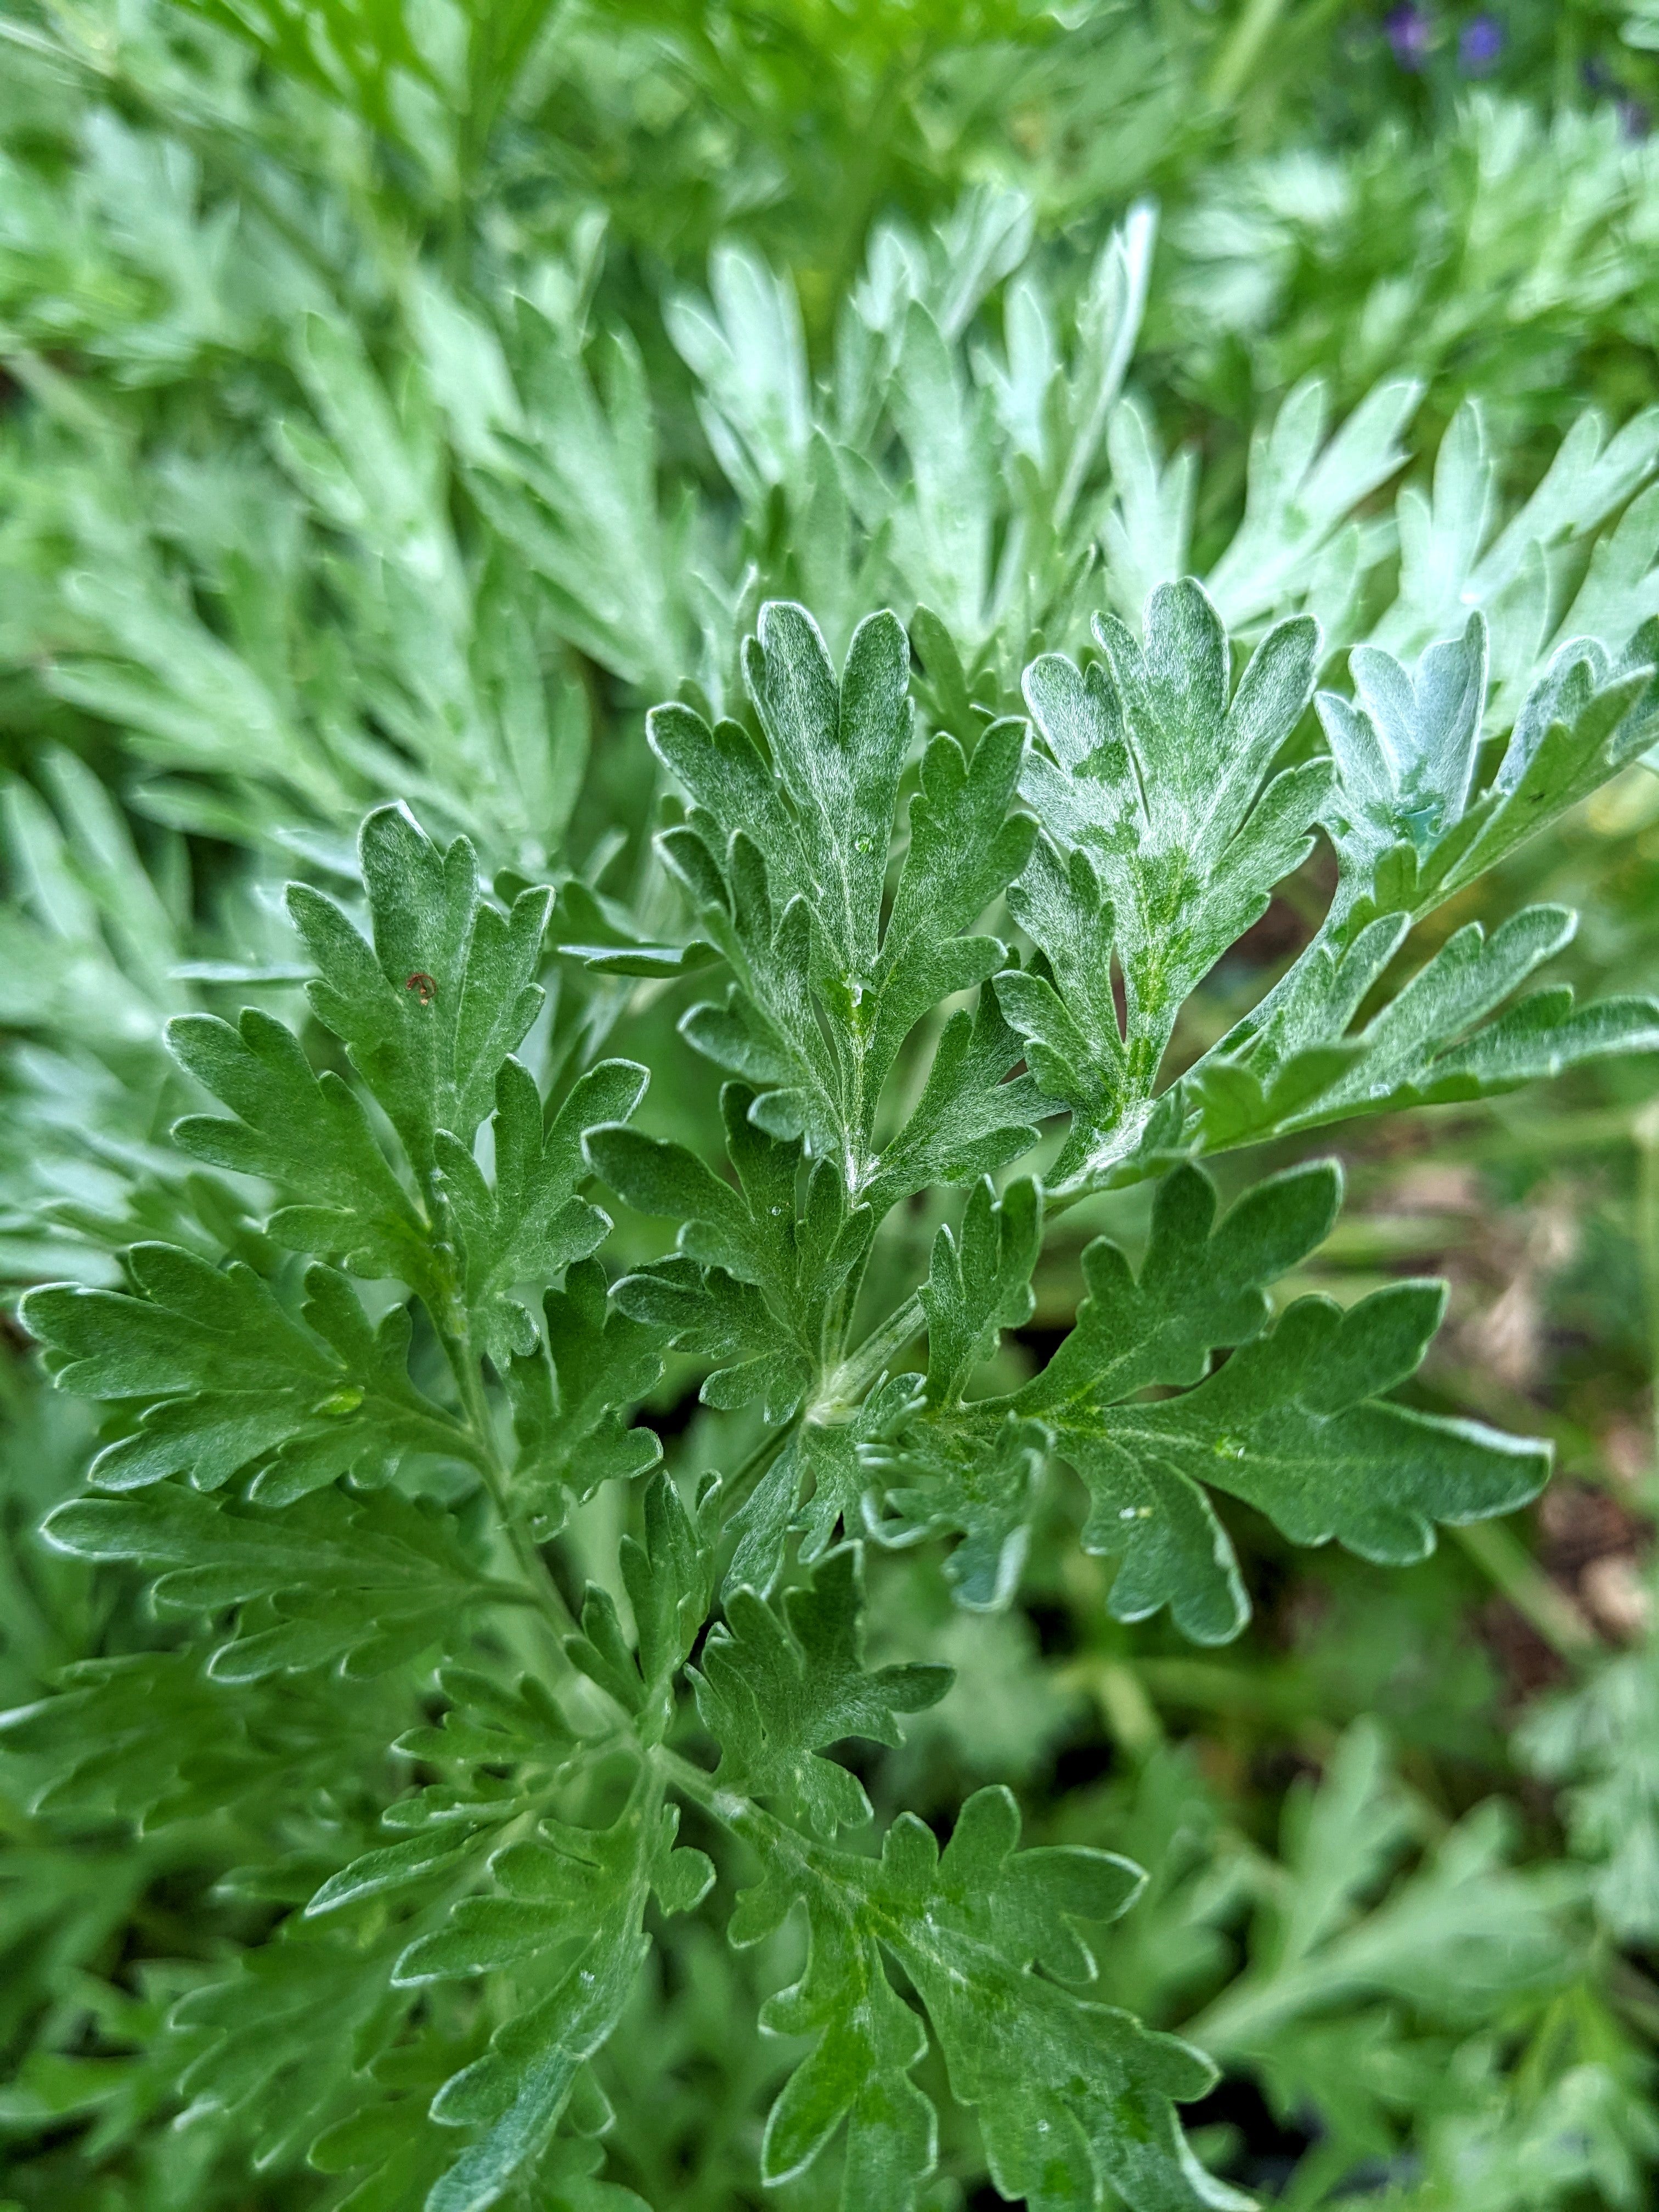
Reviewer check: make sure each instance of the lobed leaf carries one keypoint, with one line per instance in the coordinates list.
(775, 1687)
(531, 1226)
(1293, 1423)
(431, 1010)
(1166, 833)
(1074, 2098)
(363, 1583)
(223, 1379)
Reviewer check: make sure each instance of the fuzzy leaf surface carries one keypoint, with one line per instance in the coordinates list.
(364, 1583)
(1166, 831)
(224, 1379)
(1293, 1423)
(571, 1395)
(784, 857)
(530, 1225)
(429, 1009)
(777, 1686)
(1076, 2100)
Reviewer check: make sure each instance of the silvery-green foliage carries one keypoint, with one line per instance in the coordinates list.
(1482, 254)
(342, 1434)
(491, 505)
(368, 1619)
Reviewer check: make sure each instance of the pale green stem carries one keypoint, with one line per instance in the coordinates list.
(738, 1814)
(856, 1373)
(847, 1385)
(1499, 1552)
(1117, 1690)
(543, 1591)
(770, 1447)
(1238, 56)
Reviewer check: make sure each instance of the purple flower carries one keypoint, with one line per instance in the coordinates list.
(1479, 45)
(1634, 120)
(1408, 29)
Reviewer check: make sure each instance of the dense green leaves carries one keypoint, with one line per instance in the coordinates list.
(571, 1399)
(1366, 1936)
(979, 1283)
(1292, 1423)
(755, 1281)
(368, 1583)
(530, 1227)
(223, 1377)
(1430, 1044)
(1406, 818)
(307, 1133)
(262, 2045)
(1074, 2098)
(1154, 782)
(453, 1597)
(1600, 1741)
(328, 1498)
(578, 1895)
(667, 1579)
(784, 856)
(1290, 1426)
(430, 1010)
(775, 1691)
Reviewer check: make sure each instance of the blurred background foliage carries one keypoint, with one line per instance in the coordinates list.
(396, 396)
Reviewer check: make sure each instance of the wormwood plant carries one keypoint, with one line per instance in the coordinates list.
(363, 1399)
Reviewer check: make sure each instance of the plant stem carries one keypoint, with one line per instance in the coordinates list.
(1502, 1555)
(754, 1467)
(476, 1406)
(740, 1815)
(1237, 58)
(1130, 1715)
(849, 1381)
(860, 1369)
